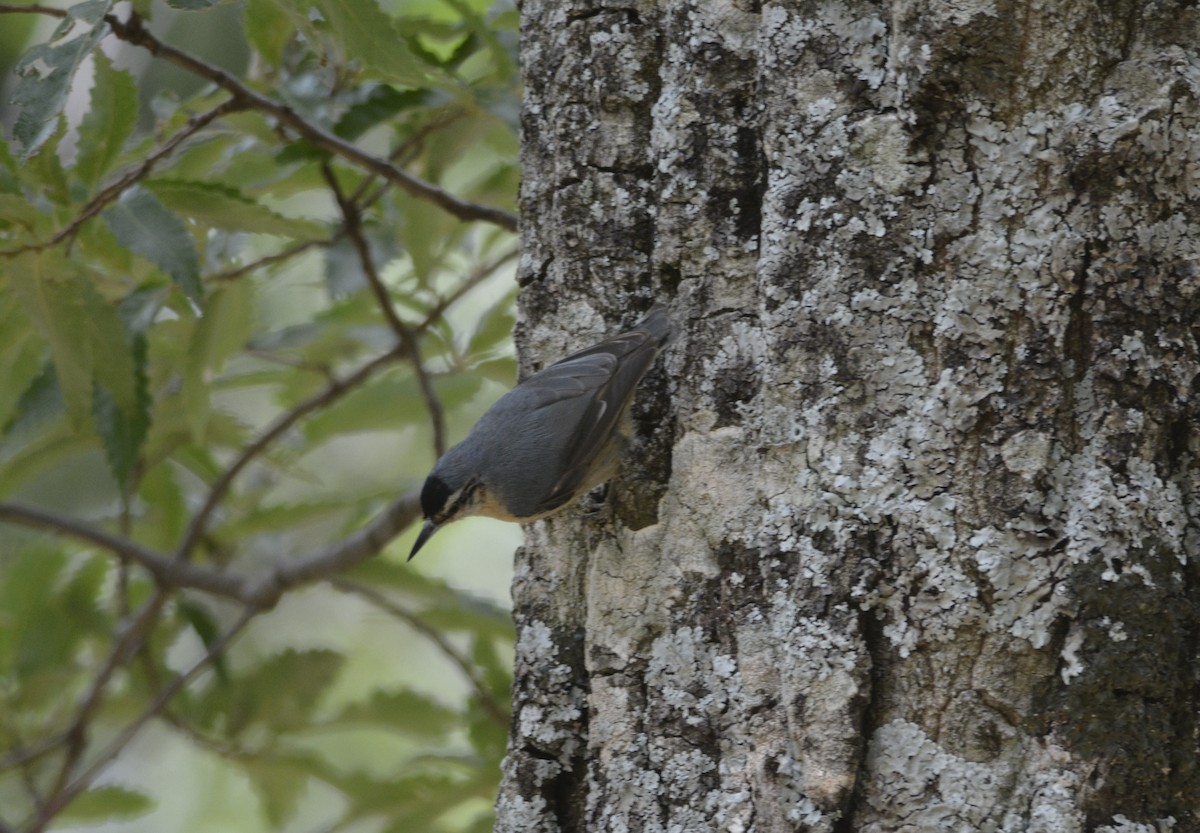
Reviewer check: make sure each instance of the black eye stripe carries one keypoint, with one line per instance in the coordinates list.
(463, 496)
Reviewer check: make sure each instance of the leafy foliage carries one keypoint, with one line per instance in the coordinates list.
(199, 388)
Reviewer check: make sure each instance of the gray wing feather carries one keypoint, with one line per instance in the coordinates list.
(608, 374)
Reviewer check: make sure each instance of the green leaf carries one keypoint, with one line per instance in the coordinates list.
(46, 72)
(109, 121)
(83, 595)
(192, 5)
(8, 169)
(86, 336)
(107, 803)
(58, 444)
(387, 403)
(227, 322)
(280, 783)
(22, 357)
(27, 585)
(405, 711)
(144, 225)
(18, 210)
(270, 24)
(370, 37)
(502, 371)
(124, 432)
(449, 608)
(165, 516)
(296, 680)
(225, 208)
(205, 626)
(494, 328)
(383, 102)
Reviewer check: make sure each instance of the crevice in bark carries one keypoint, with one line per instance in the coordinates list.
(871, 709)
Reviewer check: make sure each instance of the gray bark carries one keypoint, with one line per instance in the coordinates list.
(911, 539)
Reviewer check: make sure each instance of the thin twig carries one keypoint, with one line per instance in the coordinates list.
(404, 153)
(267, 260)
(33, 8)
(26, 754)
(352, 222)
(385, 604)
(81, 782)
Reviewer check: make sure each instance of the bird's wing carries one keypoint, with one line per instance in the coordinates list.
(608, 374)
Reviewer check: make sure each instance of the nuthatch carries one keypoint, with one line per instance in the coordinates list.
(549, 440)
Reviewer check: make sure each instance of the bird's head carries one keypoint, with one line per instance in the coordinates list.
(447, 497)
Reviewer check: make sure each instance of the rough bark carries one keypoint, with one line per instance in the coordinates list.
(911, 540)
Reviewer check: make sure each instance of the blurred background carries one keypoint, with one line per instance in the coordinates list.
(158, 322)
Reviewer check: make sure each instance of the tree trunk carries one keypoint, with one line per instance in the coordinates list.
(910, 542)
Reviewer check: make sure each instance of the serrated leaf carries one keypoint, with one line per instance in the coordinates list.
(46, 72)
(22, 357)
(451, 609)
(502, 371)
(8, 169)
(84, 591)
(387, 403)
(17, 210)
(106, 804)
(86, 337)
(472, 615)
(495, 326)
(165, 516)
(296, 679)
(28, 582)
(59, 443)
(144, 225)
(270, 24)
(383, 102)
(280, 783)
(223, 329)
(40, 403)
(109, 121)
(124, 431)
(369, 36)
(416, 802)
(405, 711)
(205, 626)
(497, 676)
(424, 234)
(226, 208)
(283, 518)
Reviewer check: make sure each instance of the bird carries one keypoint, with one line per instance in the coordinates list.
(554, 437)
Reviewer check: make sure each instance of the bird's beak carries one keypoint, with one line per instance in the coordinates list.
(426, 533)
